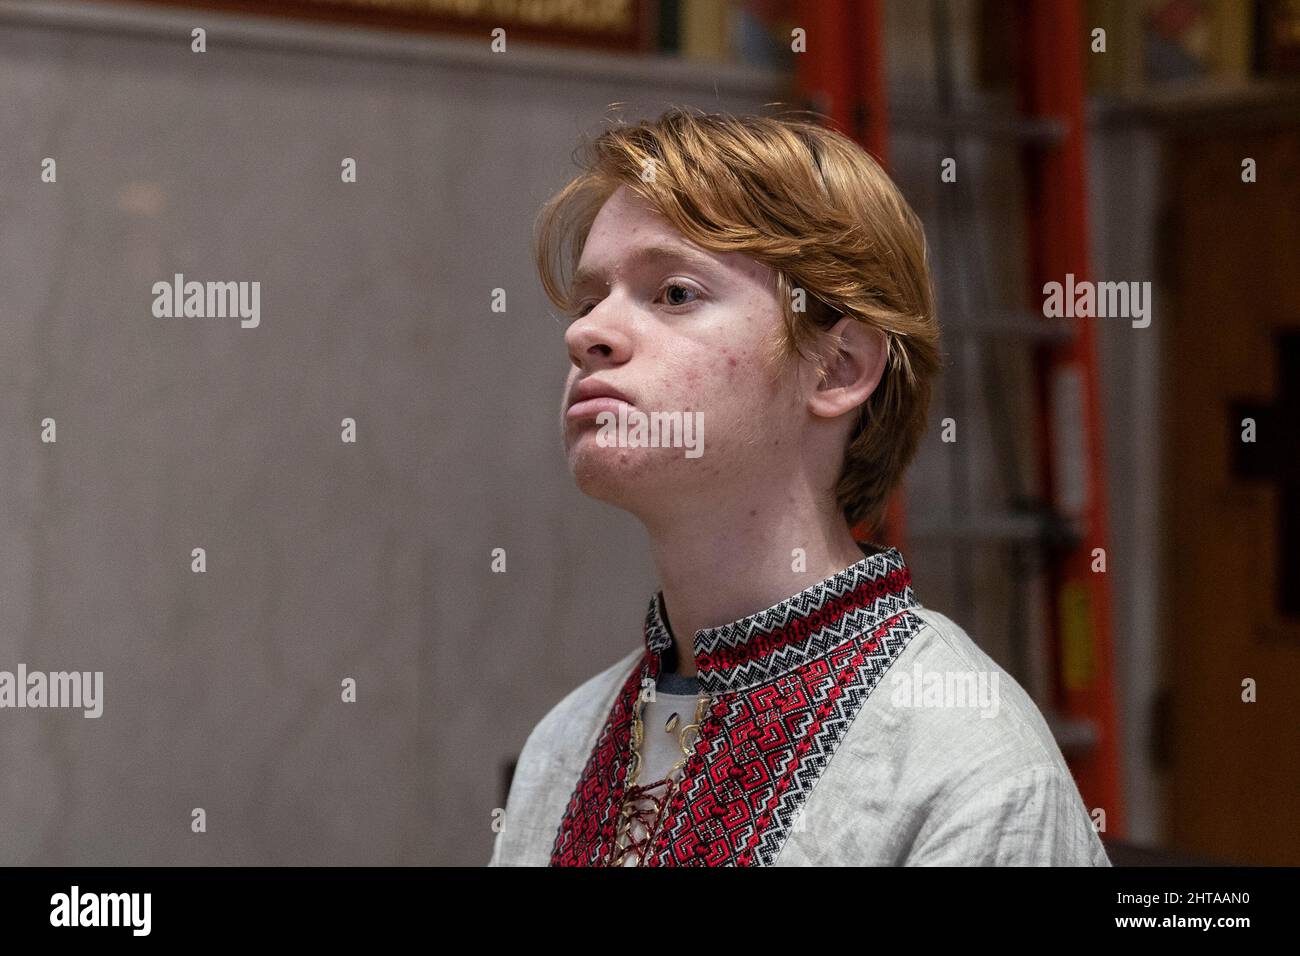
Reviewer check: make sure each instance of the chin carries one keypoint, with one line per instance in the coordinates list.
(622, 477)
(608, 474)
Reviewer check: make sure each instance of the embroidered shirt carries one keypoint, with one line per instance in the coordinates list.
(848, 725)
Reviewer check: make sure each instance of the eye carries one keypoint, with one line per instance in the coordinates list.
(668, 289)
(684, 288)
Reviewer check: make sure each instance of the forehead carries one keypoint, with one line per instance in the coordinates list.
(628, 233)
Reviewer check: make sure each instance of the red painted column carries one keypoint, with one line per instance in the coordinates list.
(1052, 71)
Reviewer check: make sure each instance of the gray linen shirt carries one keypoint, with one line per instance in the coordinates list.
(929, 785)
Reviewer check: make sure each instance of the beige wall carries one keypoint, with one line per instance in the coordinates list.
(324, 560)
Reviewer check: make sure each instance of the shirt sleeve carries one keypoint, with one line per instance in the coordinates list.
(1031, 818)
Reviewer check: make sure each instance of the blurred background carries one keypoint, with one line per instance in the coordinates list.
(1099, 525)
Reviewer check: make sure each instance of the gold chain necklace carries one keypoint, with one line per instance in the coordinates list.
(650, 819)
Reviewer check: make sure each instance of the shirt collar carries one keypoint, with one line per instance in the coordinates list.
(798, 630)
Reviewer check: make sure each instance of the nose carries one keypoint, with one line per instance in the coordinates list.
(598, 339)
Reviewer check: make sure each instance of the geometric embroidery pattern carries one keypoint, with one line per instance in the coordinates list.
(786, 684)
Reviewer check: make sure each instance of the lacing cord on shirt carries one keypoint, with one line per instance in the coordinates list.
(642, 806)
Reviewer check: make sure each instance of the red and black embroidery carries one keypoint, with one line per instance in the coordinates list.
(586, 837)
(787, 683)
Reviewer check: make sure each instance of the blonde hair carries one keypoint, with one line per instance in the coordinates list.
(815, 207)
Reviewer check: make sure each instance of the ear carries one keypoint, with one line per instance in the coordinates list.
(854, 364)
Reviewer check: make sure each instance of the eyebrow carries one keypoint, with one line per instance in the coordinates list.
(659, 253)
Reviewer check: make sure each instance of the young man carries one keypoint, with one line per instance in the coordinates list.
(764, 277)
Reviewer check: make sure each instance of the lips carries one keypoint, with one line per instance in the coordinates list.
(591, 397)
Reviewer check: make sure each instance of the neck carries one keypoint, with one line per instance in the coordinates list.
(725, 567)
